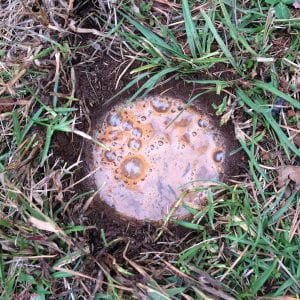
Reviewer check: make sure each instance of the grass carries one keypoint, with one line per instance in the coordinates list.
(245, 243)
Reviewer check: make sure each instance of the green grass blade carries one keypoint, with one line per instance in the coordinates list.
(190, 29)
(143, 68)
(260, 281)
(152, 37)
(219, 39)
(233, 32)
(59, 275)
(211, 209)
(17, 130)
(189, 225)
(220, 84)
(269, 118)
(45, 151)
(128, 86)
(268, 87)
(31, 122)
(45, 52)
(189, 102)
(282, 210)
(150, 83)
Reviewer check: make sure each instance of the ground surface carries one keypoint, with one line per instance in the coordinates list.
(60, 63)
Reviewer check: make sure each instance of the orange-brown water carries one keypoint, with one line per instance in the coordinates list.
(151, 161)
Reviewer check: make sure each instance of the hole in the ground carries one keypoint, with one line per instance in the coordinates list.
(97, 84)
(153, 156)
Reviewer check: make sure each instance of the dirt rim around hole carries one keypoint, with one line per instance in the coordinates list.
(96, 84)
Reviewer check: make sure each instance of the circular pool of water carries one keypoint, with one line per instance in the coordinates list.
(157, 150)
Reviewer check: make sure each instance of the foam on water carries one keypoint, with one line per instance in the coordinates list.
(152, 156)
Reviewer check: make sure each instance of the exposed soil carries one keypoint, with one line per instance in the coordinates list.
(96, 80)
(95, 85)
(6, 105)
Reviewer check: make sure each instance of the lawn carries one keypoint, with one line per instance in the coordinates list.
(61, 62)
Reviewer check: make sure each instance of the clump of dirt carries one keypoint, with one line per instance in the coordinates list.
(6, 105)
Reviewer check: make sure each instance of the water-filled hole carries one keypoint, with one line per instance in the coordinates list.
(151, 164)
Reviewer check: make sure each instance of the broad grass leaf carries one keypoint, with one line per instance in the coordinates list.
(282, 11)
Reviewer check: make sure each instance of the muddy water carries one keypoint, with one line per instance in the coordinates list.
(154, 158)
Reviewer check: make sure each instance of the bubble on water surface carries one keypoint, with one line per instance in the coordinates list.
(134, 144)
(114, 119)
(160, 104)
(219, 156)
(137, 132)
(132, 167)
(110, 156)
